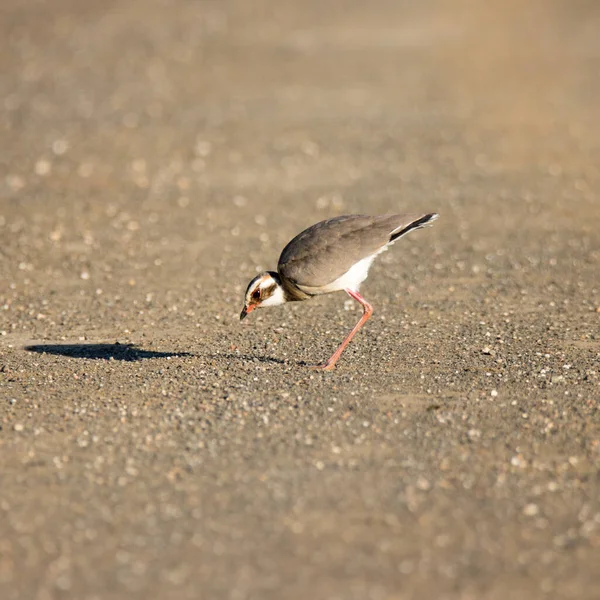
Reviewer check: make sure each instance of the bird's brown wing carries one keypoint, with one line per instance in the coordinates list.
(322, 253)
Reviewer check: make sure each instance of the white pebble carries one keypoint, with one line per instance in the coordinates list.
(474, 434)
(43, 167)
(518, 461)
(531, 510)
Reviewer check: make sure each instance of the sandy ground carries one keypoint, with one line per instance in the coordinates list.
(155, 155)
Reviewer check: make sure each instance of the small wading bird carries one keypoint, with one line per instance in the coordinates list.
(331, 256)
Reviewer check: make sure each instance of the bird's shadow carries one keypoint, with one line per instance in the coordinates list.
(122, 352)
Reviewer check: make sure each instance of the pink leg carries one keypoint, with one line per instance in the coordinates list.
(368, 311)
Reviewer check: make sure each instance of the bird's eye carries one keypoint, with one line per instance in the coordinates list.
(256, 294)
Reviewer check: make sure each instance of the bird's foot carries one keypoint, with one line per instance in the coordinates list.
(324, 367)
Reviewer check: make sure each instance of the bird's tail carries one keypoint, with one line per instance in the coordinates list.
(423, 221)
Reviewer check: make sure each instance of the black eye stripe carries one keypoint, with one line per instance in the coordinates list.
(263, 292)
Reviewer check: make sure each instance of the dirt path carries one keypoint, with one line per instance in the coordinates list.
(154, 156)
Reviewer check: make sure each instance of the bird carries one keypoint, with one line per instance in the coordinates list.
(331, 256)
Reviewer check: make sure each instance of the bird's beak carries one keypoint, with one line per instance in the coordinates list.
(245, 311)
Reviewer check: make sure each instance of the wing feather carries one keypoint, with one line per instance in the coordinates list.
(322, 253)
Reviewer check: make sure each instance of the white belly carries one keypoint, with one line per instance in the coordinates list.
(351, 279)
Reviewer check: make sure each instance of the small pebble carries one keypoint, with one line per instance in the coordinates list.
(423, 484)
(518, 461)
(474, 434)
(531, 510)
(43, 167)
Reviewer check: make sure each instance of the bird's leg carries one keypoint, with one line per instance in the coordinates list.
(367, 312)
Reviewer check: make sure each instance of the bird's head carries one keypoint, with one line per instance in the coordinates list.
(264, 290)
